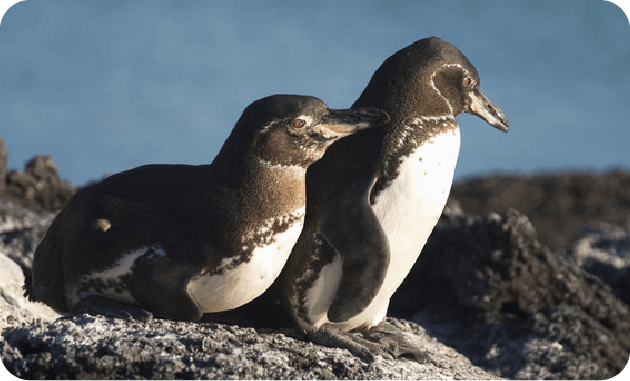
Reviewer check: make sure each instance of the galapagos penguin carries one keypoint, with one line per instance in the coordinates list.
(374, 198)
(177, 241)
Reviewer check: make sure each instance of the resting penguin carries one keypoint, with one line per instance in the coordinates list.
(177, 241)
(374, 198)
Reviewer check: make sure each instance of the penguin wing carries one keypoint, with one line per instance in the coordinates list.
(354, 232)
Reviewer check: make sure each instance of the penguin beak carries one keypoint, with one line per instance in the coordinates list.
(481, 106)
(339, 123)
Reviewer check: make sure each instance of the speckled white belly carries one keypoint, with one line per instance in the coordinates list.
(243, 283)
(408, 211)
(108, 282)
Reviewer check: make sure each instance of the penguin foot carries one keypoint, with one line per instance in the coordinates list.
(99, 305)
(394, 340)
(352, 341)
(382, 340)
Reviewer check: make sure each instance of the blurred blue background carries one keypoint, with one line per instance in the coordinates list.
(107, 85)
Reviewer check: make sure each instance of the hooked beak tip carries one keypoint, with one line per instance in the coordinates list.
(481, 106)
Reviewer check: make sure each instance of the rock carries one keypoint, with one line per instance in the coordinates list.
(557, 203)
(84, 346)
(487, 287)
(4, 160)
(39, 186)
(486, 293)
(604, 251)
(14, 308)
(21, 229)
(34, 345)
(41, 167)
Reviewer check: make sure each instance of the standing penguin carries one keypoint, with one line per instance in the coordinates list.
(374, 198)
(181, 240)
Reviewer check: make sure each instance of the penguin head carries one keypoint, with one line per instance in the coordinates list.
(430, 78)
(295, 130)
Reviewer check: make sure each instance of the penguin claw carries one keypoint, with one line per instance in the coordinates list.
(369, 343)
(331, 337)
(392, 338)
(98, 305)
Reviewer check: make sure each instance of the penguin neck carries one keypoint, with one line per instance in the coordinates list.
(268, 188)
(407, 133)
(278, 189)
(257, 200)
(402, 139)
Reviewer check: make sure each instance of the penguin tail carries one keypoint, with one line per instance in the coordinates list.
(46, 283)
(28, 287)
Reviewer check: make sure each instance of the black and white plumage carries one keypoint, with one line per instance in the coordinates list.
(374, 198)
(183, 240)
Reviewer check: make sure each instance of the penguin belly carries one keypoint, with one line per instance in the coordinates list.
(110, 282)
(237, 285)
(408, 210)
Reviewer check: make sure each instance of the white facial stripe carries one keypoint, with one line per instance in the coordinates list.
(466, 72)
(459, 66)
(308, 119)
(267, 127)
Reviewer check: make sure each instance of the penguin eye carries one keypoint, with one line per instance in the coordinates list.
(298, 123)
(467, 81)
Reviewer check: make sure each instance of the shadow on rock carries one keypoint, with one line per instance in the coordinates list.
(487, 287)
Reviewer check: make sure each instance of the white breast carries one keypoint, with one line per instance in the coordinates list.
(241, 284)
(408, 211)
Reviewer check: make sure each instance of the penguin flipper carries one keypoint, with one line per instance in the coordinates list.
(354, 232)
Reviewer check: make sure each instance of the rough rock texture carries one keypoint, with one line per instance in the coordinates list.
(604, 251)
(14, 308)
(4, 159)
(486, 293)
(21, 229)
(558, 203)
(487, 287)
(484, 286)
(35, 345)
(97, 347)
(39, 186)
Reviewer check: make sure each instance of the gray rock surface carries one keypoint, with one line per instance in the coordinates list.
(485, 286)
(604, 251)
(552, 321)
(38, 186)
(4, 159)
(485, 293)
(558, 203)
(96, 347)
(20, 231)
(36, 343)
(14, 308)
